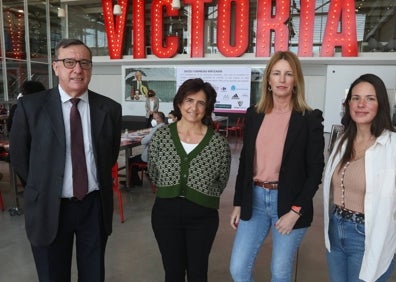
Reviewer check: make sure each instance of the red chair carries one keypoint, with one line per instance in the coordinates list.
(237, 129)
(216, 126)
(116, 189)
(141, 166)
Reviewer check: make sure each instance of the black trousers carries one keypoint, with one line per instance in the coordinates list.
(185, 233)
(82, 220)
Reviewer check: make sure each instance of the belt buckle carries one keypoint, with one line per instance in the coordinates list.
(271, 185)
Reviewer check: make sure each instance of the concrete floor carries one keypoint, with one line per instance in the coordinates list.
(132, 254)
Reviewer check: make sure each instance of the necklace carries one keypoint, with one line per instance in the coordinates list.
(357, 155)
(342, 184)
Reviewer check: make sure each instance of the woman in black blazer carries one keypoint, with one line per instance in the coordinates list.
(280, 168)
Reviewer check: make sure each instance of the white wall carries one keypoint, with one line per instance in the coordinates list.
(338, 80)
(108, 85)
(314, 91)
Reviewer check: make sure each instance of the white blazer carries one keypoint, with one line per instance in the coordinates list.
(379, 204)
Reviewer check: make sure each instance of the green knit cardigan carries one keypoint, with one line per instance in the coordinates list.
(200, 176)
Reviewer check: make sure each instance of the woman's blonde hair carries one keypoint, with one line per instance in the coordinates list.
(266, 102)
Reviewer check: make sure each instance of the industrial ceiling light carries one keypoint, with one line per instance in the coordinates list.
(176, 4)
(117, 10)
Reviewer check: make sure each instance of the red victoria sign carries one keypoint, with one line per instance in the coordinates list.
(340, 28)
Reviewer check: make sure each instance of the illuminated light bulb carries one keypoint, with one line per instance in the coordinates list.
(117, 10)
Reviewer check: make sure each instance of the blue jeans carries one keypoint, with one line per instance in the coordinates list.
(347, 249)
(250, 236)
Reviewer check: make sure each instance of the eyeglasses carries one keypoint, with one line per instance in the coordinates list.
(71, 63)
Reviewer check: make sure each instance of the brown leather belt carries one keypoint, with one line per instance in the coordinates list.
(272, 185)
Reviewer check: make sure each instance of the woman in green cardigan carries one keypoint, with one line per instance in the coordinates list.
(190, 164)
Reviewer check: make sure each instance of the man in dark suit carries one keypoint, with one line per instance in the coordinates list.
(42, 155)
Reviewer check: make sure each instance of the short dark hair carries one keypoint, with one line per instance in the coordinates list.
(31, 86)
(191, 86)
(64, 43)
(161, 115)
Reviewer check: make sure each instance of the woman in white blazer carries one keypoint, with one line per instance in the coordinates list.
(359, 188)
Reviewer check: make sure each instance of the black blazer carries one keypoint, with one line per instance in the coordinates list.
(301, 167)
(38, 149)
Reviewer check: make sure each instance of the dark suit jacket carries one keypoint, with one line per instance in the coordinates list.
(38, 149)
(301, 167)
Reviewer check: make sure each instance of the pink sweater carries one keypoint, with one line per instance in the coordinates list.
(269, 146)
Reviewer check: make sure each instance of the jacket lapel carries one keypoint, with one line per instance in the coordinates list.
(97, 116)
(295, 125)
(53, 107)
(256, 124)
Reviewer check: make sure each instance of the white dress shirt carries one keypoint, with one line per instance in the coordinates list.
(83, 107)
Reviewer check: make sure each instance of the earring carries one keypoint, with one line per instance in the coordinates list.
(269, 88)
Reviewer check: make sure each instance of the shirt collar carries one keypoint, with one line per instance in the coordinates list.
(384, 137)
(66, 97)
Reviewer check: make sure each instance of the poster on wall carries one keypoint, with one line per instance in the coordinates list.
(232, 85)
(139, 80)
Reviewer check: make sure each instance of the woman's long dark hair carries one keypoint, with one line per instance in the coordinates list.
(381, 121)
(192, 86)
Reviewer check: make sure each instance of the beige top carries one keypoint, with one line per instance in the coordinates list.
(353, 189)
(269, 146)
